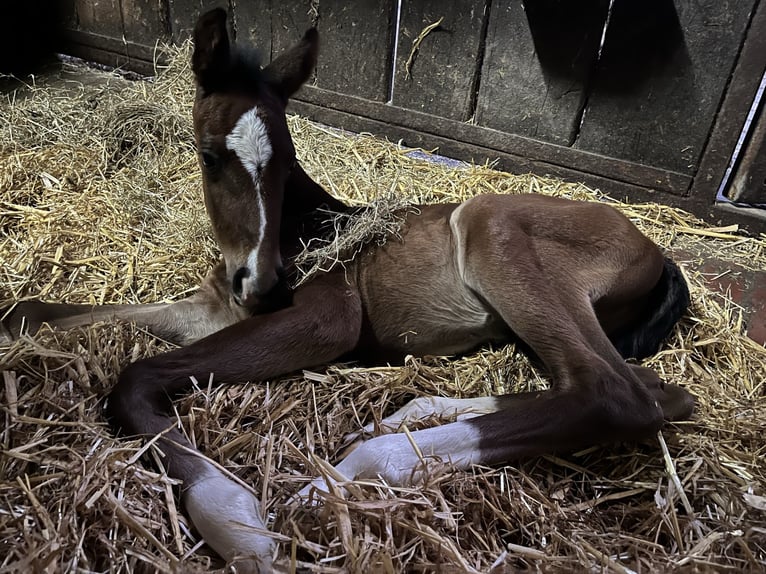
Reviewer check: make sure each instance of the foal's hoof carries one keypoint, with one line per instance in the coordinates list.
(228, 517)
(676, 402)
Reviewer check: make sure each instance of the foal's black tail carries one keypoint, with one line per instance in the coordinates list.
(667, 302)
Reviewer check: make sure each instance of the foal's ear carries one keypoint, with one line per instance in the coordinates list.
(211, 49)
(290, 70)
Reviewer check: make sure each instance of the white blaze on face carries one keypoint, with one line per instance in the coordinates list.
(249, 140)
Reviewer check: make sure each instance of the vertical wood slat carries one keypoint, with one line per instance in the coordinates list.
(355, 39)
(660, 81)
(748, 184)
(751, 64)
(537, 66)
(183, 14)
(103, 17)
(443, 72)
(144, 21)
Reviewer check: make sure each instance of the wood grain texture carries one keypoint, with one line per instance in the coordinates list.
(443, 72)
(749, 182)
(183, 14)
(731, 117)
(103, 17)
(537, 66)
(144, 21)
(663, 71)
(492, 141)
(355, 39)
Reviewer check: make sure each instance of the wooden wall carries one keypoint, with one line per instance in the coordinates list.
(525, 83)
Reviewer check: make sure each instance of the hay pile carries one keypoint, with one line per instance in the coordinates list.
(100, 202)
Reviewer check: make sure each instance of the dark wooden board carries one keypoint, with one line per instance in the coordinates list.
(490, 139)
(109, 51)
(103, 17)
(444, 71)
(663, 71)
(451, 147)
(748, 185)
(145, 21)
(356, 46)
(66, 13)
(355, 39)
(731, 117)
(182, 15)
(272, 26)
(537, 66)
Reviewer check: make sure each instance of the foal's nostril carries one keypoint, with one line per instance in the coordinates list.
(236, 284)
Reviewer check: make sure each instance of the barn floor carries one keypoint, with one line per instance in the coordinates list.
(74, 498)
(746, 287)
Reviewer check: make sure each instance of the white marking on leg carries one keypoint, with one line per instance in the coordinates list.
(444, 407)
(228, 517)
(393, 458)
(427, 407)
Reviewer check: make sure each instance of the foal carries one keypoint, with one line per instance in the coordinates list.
(575, 282)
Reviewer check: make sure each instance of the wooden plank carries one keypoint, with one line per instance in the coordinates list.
(536, 150)
(538, 61)
(619, 190)
(67, 14)
(183, 14)
(103, 17)
(109, 51)
(253, 26)
(749, 182)
(731, 117)
(663, 71)
(145, 21)
(356, 39)
(356, 47)
(440, 77)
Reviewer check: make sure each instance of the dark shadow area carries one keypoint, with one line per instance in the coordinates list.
(644, 40)
(29, 35)
(567, 35)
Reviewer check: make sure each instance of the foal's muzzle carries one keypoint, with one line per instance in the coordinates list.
(250, 290)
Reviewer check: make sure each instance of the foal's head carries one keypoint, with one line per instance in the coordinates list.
(245, 150)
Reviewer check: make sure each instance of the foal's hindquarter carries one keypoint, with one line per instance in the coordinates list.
(495, 269)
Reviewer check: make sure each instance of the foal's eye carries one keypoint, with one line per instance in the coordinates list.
(209, 160)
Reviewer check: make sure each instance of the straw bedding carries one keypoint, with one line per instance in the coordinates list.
(100, 202)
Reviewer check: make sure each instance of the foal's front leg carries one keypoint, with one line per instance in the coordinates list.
(323, 324)
(208, 310)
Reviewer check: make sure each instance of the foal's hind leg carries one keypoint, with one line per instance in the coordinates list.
(676, 403)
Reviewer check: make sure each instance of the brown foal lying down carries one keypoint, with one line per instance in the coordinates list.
(576, 283)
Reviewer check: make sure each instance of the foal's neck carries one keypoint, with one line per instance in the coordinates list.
(304, 196)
